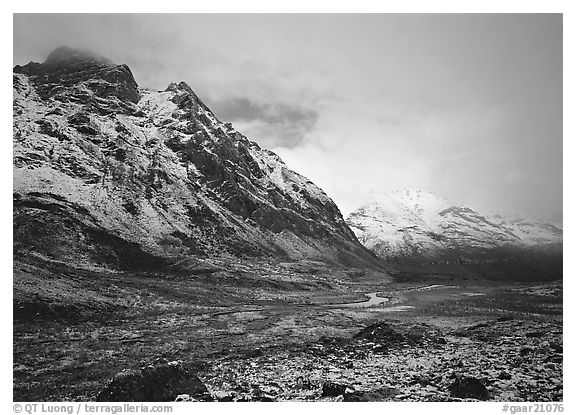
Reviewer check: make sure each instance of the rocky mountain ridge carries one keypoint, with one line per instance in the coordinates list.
(110, 174)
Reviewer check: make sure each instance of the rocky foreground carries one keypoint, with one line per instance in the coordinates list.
(298, 337)
(501, 360)
(514, 357)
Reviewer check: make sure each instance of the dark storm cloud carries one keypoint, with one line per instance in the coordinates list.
(272, 125)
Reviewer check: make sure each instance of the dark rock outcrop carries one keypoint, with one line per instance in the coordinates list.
(378, 395)
(333, 389)
(469, 387)
(161, 383)
(385, 334)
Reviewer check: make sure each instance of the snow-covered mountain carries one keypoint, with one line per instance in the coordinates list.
(415, 222)
(530, 232)
(107, 173)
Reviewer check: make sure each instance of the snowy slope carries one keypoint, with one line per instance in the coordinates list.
(97, 159)
(529, 231)
(416, 222)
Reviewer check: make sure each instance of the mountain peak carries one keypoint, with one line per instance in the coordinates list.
(418, 196)
(408, 201)
(69, 73)
(405, 193)
(180, 87)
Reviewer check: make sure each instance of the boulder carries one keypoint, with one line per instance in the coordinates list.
(380, 333)
(333, 389)
(378, 395)
(160, 383)
(469, 387)
(504, 375)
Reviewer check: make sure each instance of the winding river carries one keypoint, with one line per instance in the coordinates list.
(372, 300)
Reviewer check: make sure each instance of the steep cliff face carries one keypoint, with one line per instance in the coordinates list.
(106, 173)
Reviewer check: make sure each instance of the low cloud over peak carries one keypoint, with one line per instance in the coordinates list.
(272, 125)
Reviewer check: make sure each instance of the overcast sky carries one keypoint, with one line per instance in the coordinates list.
(466, 106)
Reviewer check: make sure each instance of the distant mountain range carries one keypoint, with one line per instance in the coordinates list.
(417, 227)
(107, 174)
(409, 222)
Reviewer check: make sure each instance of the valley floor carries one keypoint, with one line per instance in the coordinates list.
(261, 332)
